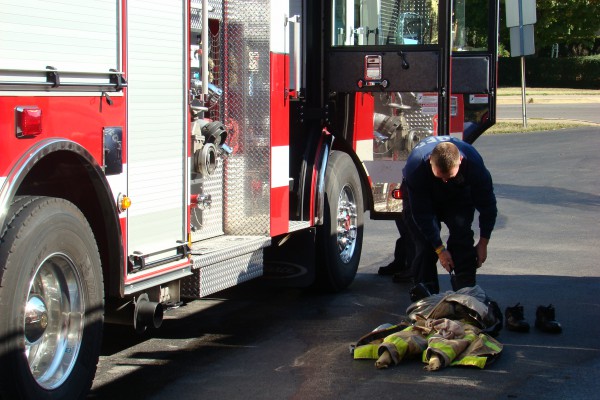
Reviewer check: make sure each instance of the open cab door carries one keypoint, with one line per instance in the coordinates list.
(413, 68)
(474, 60)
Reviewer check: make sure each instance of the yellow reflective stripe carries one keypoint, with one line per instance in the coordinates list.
(367, 351)
(474, 361)
(393, 339)
(448, 350)
(399, 343)
(489, 343)
(470, 337)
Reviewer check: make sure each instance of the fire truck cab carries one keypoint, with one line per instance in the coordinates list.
(153, 152)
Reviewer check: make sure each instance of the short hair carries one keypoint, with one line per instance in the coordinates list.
(445, 156)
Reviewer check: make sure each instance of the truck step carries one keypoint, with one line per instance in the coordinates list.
(223, 262)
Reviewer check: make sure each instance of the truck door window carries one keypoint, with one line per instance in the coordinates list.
(473, 72)
(384, 22)
(470, 25)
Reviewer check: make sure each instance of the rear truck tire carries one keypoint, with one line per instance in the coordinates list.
(339, 239)
(51, 301)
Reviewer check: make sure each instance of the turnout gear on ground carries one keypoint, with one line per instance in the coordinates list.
(445, 330)
(470, 305)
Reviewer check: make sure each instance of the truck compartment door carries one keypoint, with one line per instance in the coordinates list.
(156, 151)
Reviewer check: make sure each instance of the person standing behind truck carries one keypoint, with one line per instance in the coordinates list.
(445, 180)
(399, 268)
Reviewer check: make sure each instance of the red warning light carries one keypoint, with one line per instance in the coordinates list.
(397, 194)
(28, 121)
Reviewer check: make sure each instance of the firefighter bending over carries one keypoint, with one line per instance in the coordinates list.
(445, 180)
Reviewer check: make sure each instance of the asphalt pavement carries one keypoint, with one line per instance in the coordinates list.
(543, 251)
(250, 342)
(583, 107)
(254, 343)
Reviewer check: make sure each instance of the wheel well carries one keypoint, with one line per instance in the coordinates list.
(65, 174)
(342, 145)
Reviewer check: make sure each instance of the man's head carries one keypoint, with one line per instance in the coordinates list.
(445, 160)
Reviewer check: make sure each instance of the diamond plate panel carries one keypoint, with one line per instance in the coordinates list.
(246, 111)
(222, 248)
(215, 11)
(209, 222)
(223, 275)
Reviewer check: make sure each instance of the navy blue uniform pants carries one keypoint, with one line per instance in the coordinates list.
(423, 259)
(402, 251)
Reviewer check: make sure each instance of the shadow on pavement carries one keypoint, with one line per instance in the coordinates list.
(260, 330)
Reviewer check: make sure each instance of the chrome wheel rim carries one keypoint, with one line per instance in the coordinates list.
(346, 223)
(53, 321)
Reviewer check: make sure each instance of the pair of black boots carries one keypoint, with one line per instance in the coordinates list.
(545, 319)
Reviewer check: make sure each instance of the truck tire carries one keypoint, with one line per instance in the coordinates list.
(339, 239)
(51, 301)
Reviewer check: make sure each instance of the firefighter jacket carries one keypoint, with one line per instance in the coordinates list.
(449, 332)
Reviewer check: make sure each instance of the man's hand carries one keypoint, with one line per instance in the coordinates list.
(481, 249)
(446, 260)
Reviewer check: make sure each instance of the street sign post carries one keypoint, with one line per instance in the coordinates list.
(520, 12)
(520, 18)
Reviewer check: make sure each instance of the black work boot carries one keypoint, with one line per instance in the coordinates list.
(418, 292)
(389, 269)
(515, 319)
(545, 320)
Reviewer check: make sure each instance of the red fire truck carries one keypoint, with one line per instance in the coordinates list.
(153, 152)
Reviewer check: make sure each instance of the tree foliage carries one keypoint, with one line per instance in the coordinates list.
(567, 22)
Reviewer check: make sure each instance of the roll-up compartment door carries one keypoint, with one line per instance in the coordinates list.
(156, 151)
(35, 34)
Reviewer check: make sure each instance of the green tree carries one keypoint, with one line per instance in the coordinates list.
(567, 22)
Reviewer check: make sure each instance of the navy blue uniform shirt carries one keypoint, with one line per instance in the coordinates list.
(430, 196)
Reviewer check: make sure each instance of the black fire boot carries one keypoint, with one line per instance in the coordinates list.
(545, 320)
(418, 292)
(389, 269)
(515, 319)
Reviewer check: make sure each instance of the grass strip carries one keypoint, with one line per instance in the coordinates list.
(534, 125)
(516, 91)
